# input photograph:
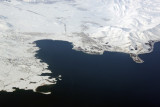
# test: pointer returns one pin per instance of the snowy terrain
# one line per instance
(93, 26)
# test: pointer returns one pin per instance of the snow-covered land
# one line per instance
(93, 26)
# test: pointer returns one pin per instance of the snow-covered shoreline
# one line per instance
(19, 66)
(92, 26)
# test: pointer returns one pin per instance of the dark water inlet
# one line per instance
(112, 79)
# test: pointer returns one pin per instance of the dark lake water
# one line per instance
(111, 79)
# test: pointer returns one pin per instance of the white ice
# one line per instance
(93, 26)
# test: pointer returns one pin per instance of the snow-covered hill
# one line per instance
(93, 26)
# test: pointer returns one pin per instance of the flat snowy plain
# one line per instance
(93, 26)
